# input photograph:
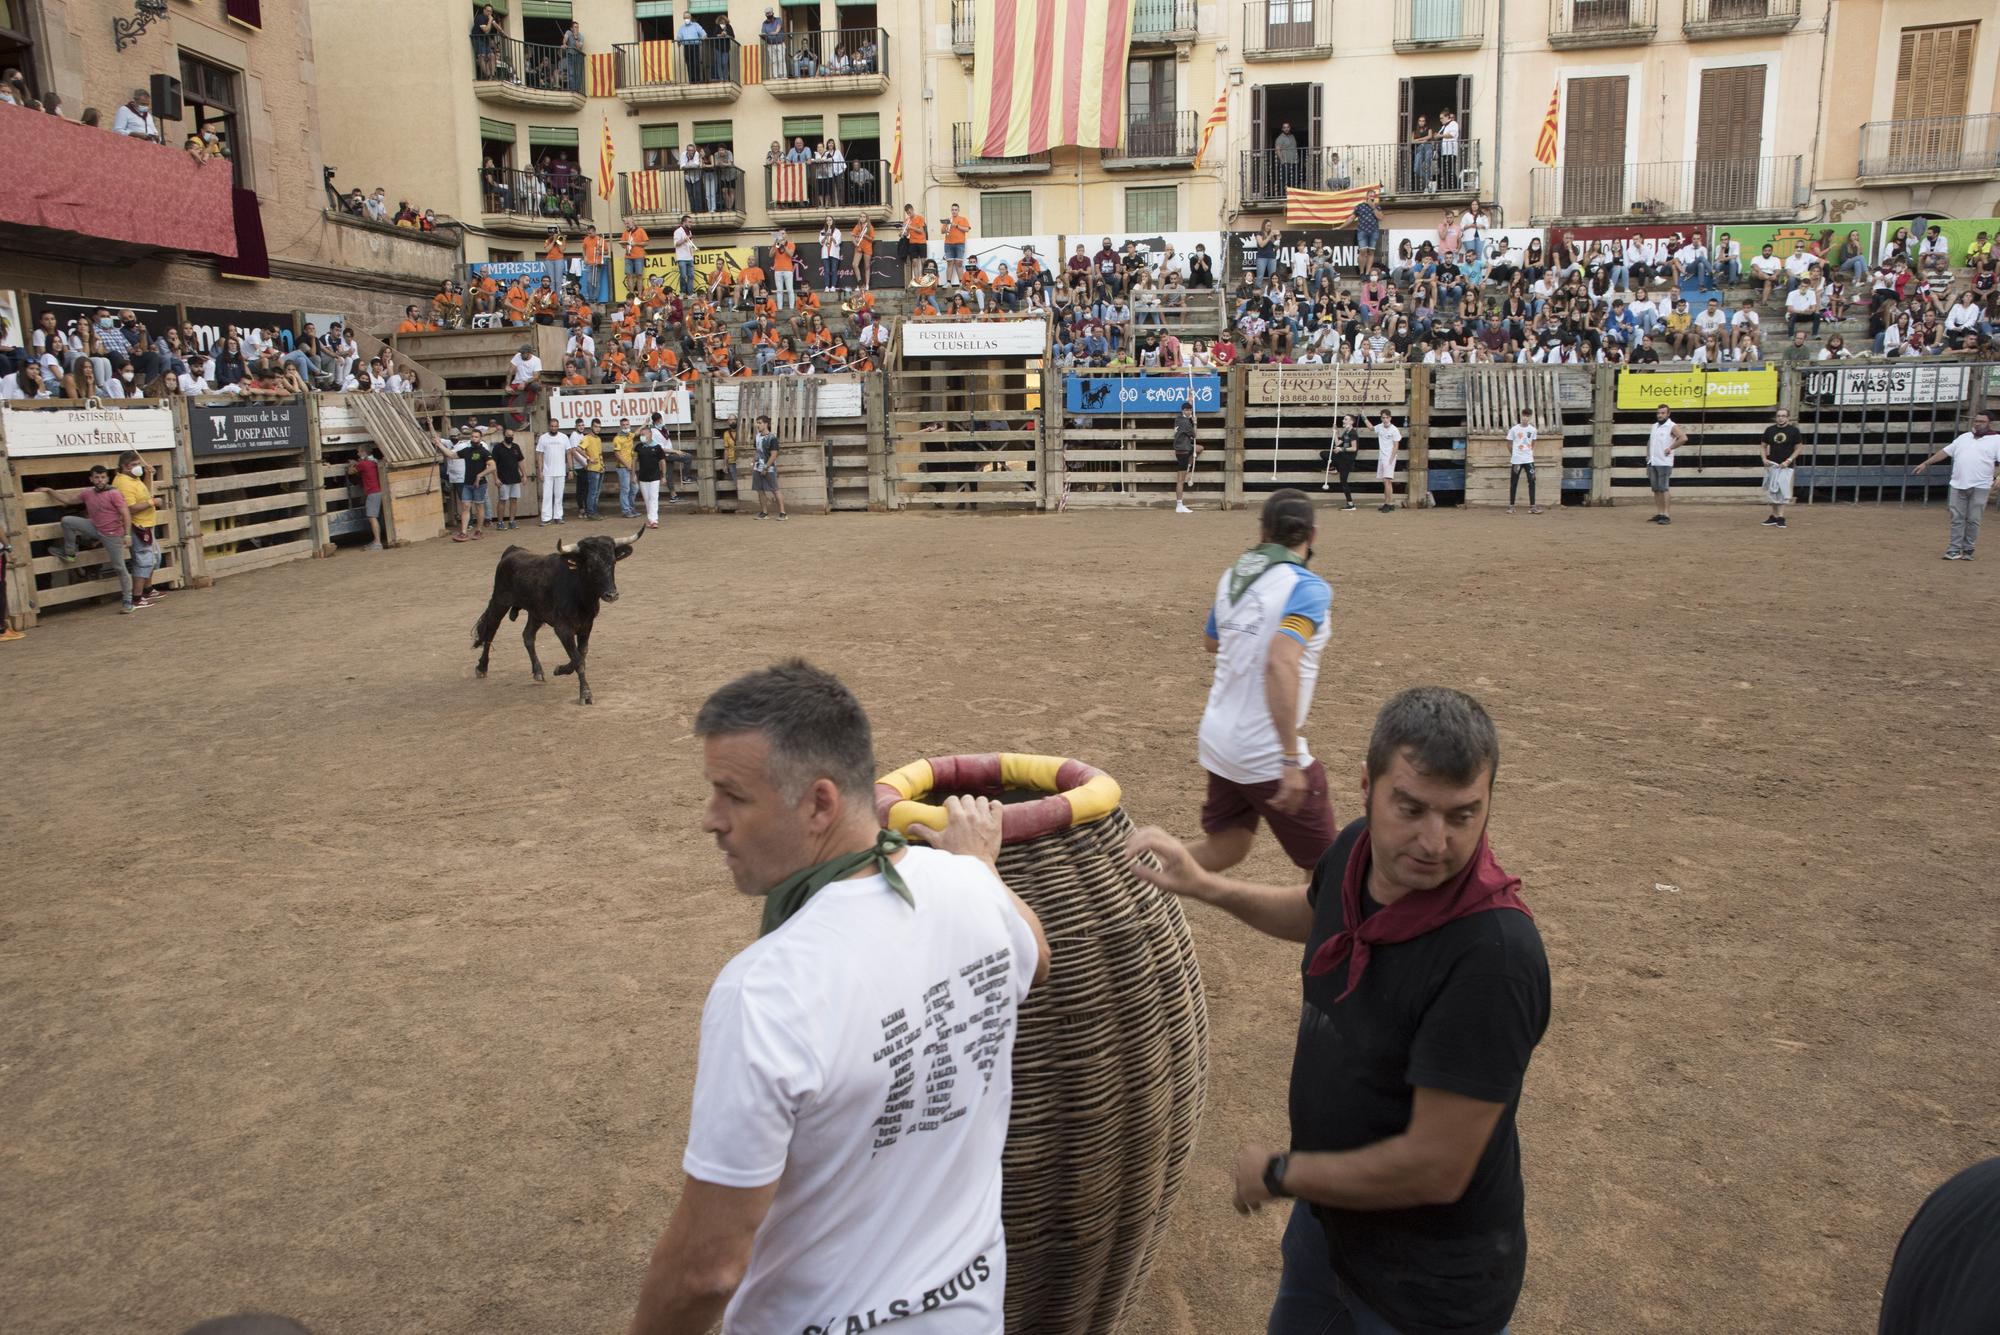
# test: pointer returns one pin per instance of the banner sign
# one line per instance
(837, 398)
(1497, 241)
(1695, 389)
(1242, 253)
(1323, 386)
(673, 404)
(209, 323)
(1959, 233)
(707, 259)
(975, 338)
(1134, 394)
(238, 428)
(1784, 238)
(504, 272)
(1867, 385)
(105, 431)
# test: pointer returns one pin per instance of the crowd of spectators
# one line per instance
(134, 118)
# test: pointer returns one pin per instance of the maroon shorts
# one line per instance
(1304, 835)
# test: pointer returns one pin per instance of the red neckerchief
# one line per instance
(1480, 888)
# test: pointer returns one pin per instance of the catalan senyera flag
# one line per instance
(1049, 72)
(896, 162)
(601, 74)
(642, 192)
(1545, 142)
(1216, 120)
(606, 156)
(656, 62)
(788, 183)
(1325, 208)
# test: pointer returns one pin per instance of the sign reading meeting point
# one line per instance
(1697, 389)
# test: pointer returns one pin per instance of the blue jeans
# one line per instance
(1311, 1299)
(626, 493)
(593, 486)
(687, 276)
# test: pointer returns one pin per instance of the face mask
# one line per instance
(104, 322)
(138, 470)
(126, 376)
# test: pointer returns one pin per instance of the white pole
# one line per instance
(1333, 433)
(1278, 431)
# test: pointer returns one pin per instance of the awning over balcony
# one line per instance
(81, 188)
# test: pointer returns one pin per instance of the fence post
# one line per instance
(702, 408)
(1055, 440)
(1417, 487)
(315, 465)
(20, 563)
(1235, 383)
(875, 428)
(1603, 402)
(187, 504)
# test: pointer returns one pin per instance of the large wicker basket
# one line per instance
(1111, 1061)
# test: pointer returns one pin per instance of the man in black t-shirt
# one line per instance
(1426, 991)
(478, 462)
(507, 472)
(1781, 448)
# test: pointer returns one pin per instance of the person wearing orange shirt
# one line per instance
(411, 323)
(487, 300)
(784, 263)
(517, 303)
(552, 256)
(634, 238)
(957, 229)
(1028, 275)
(749, 281)
(864, 251)
(543, 303)
(925, 306)
(808, 300)
(915, 235)
(593, 260)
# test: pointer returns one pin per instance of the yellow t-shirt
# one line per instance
(627, 452)
(138, 499)
(593, 453)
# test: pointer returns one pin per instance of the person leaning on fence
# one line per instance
(367, 471)
(106, 520)
(1974, 456)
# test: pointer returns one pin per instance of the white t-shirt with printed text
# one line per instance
(861, 1057)
(1238, 739)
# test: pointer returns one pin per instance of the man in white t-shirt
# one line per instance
(1521, 461)
(524, 373)
(1974, 457)
(1448, 133)
(1766, 268)
(855, 1079)
(1713, 320)
(1666, 437)
(552, 450)
(1387, 438)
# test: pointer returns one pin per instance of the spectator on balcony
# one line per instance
(135, 119)
(805, 64)
(486, 35)
(867, 56)
(1285, 152)
(1423, 156)
(572, 47)
(1447, 142)
(722, 175)
(832, 172)
(694, 42)
(771, 38)
(376, 207)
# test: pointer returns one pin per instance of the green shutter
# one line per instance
(659, 136)
(708, 6)
(551, 136)
(808, 128)
(1152, 208)
(861, 127)
(713, 132)
(492, 129)
(655, 9)
(545, 9)
(499, 6)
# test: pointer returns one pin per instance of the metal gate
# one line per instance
(1865, 427)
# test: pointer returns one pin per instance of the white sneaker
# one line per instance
(1180, 509)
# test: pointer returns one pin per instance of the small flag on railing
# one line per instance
(642, 192)
(606, 156)
(1216, 119)
(896, 163)
(601, 74)
(1325, 208)
(788, 183)
(656, 62)
(1545, 142)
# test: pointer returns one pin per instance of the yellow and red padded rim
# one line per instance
(1077, 793)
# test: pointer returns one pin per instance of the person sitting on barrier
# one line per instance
(106, 520)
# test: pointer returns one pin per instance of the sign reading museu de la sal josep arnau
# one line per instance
(108, 432)
(1135, 394)
(241, 428)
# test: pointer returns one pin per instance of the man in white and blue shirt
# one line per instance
(1267, 630)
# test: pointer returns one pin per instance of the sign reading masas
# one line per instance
(106, 431)
(1889, 384)
(1696, 389)
(1317, 386)
(238, 428)
(975, 338)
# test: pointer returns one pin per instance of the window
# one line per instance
(17, 47)
(656, 20)
(1005, 213)
(1933, 69)
(1152, 208)
(212, 99)
(715, 134)
(812, 129)
(504, 256)
(659, 147)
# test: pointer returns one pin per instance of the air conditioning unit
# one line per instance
(1468, 180)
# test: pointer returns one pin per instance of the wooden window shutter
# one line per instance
(1403, 111)
(1464, 106)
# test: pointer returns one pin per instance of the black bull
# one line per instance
(562, 590)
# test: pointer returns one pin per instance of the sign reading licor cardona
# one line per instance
(673, 404)
(106, 431)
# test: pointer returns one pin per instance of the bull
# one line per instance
(562, 591)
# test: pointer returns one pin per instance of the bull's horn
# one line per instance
(565, 548)
(636, 536)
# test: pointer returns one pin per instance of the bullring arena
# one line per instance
(345, 985)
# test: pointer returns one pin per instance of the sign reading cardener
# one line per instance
(240, 428)
(1698, 389)
(106, 431)
(1324, 386)
(975, 338)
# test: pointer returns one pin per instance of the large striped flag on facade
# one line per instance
(606, 157)
(601, 74)
(896, 162)
(1216, 119)
(1049, 72)
(656, 62)
(788, 183)
(1545, 142)
(642, 192)
(1325, 208)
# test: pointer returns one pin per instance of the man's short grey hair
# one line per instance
(815, 727)
(1446, 734)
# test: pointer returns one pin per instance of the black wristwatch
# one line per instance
(1274, 1174)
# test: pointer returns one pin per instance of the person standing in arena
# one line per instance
(1186, 450)
(552, 462)
(507, 479)
(649, 458)
(135, 478)
(1426, 992)
(1667, 436)
(764, 468)
(367, 470)
(106, 520)
(1521, 461)
(1974, 455)
(1387, 438)
(1267, 628)
(1781, 449)
(815, 1200)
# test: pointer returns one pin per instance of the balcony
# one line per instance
(797, 194)
(1154, 141)
(1580, 23)
(966, 159)
(1287, 29)
(528, 203)
(1407, 173)
(663, 74)
(850, 62)
(512, 73)
(1941, 148)
(1742, 190)
(1163, 23)
(1706, 20)
(1440, 25)
(711, 198)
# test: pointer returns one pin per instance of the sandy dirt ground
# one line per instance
(342, 984)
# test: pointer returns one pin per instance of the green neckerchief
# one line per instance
(790, 895)
(1253, 563)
